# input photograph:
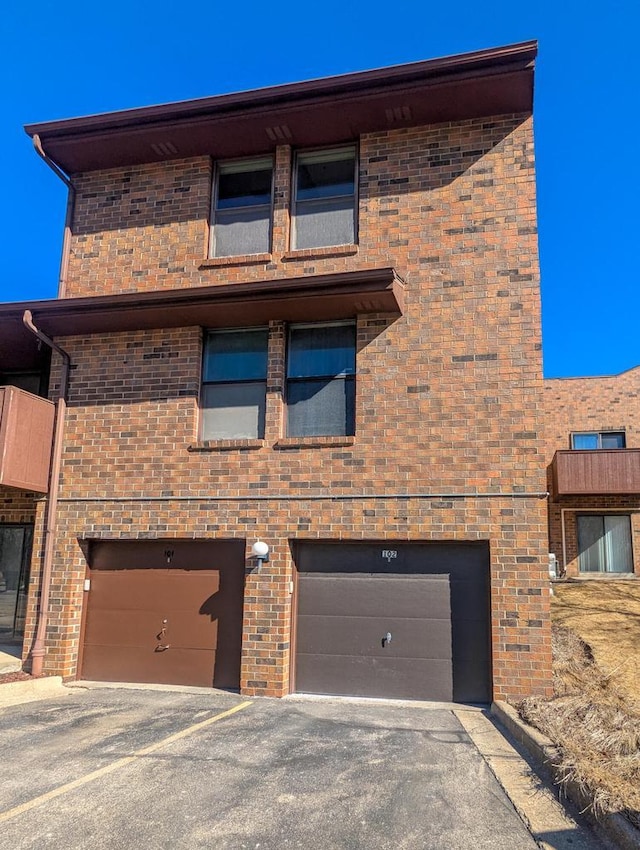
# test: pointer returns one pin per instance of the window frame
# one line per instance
(218, 165)
(207, 333)
(599, 435)
(298, 154)
(603, 515)
(349, 379)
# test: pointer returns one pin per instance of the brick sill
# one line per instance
(225, 445)
(314, 442)
(239, 260)
(319, 253)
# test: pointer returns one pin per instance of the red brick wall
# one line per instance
(17, 505)
(448, 396)
(604, 403)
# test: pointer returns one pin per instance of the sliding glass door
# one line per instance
(15, 557)
(604, 544)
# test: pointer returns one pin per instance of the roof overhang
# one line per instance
(311, 298)
(316, 112)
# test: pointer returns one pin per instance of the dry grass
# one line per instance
(606, 615)
(595, 725)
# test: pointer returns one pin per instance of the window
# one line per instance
(241, 218)
(320, 380)
(604, 544)
(324, 198)
(234, 384)
(598, 440)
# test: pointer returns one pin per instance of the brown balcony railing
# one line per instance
(598, 471)
(26, 432)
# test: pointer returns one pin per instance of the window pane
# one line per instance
(243, 188)
(323, 350)
(320, 408)
(612, 440)
(236, 356)
(325, 174)
(585, 441)
(604, 544)
(591, 544)
(233, 411)
(323, 223)
(242, 231)
(618, 544)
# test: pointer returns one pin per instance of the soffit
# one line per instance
(310, 298)
(316, 112)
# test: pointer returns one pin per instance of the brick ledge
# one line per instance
(225, 445)
(319, 253)
(239, 260)
(313, 442)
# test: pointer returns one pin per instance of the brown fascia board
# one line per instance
(486, 82)
(311, 298)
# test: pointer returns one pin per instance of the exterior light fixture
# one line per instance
(260, 550)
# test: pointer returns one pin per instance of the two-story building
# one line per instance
(299, 386)
(593, 434)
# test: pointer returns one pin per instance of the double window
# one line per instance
(598, 440)
(323, 209)
(319, 392)
(604, 543)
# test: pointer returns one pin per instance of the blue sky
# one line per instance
(59, 60)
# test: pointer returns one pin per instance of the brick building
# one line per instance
(593, 452)
(306, 316)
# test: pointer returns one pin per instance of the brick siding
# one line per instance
(604, 403)
(448, 397)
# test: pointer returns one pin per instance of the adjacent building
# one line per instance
(304, 317)
(593, 428)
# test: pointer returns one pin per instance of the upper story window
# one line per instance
(598, 440)
(324, 198)
(241, 214)
(234, 384)
(321, 380)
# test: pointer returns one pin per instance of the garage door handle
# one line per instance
(386, 640)
(161, 647)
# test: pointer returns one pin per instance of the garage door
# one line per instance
(176, 622)
(393, 620)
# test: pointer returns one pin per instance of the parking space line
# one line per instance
(116, 765)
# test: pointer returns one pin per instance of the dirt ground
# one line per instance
(606, 615)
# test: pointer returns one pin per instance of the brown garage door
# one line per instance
(169, 623)
(394, 620)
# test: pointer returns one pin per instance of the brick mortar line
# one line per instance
(305, 497)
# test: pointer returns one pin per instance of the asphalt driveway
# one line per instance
(156, 769)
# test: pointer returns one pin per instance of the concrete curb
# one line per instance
(15, 693)
(615, 827)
